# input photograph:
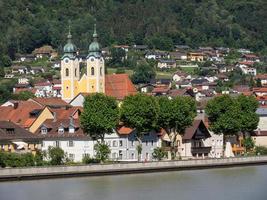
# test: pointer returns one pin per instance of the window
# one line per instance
(71, 129)
(152, 143)
(120, 154)
(146, 143)
(10, 131)
(114, 143)
(132, 156)
(60, 130)
(121, 143)
(132, 143)
(114, 155)
(71, 143)
(57, 144)
(92, 71)
(43, 143)
(75, 72)
(101, 71)
(43, 130)
(67, 72)
(71, 156)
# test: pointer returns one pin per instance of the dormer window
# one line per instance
(71, 129)
(61, 130)
(43, 130)
(10, 130)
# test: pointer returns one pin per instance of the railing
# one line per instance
(200, 149)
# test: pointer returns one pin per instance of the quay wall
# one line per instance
(12, 174)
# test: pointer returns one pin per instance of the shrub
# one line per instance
(158, 154)
(88, 160)
(56, 155)
(102, 151)
(260, 150)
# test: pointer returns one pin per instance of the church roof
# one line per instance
(119, 86)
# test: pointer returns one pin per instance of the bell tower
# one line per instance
(95, 67)
(70, 70)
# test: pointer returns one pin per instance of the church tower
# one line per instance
(95, 67)
(70, 71)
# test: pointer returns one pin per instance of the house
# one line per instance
(45, 51)
(44, 89)
(166, 64)
(9, 76)
(180, 76)
(17, 69)
(260, 134)
(25, 57)
(68, 135)
(250, 58)
(146, 88)
(123, 144)
(194, 142)
(141, 48)
(262, 78)
(178, 55)
(181, 47)
(54, 113)
(180, 92)
(15, 139)
(248, 70)
(160, 90)
(156, 55)
(56, 88)
(37, 70)
(22, 113)
(196, 56)
(260, 91)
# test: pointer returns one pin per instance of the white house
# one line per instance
(68, 135)
(166, 64)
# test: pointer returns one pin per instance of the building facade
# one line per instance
(73, 82)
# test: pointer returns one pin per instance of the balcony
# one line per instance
(200, 150)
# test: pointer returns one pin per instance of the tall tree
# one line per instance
(143, 73)
(140, 112)
(175, 116)
(100, 115)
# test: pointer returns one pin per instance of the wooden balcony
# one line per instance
(200, 150)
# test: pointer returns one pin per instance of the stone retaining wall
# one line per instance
(9, 174)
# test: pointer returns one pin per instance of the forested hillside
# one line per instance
(27, 24)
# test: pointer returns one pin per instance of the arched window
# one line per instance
(75, 72)
(100, 71)
(67, 72)
(92, 71)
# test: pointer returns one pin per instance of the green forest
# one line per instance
(27, 24)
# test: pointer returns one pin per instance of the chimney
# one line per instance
(16, 105)
(55, 116)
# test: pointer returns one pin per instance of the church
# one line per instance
(94, 79)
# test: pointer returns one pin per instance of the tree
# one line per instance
(118, 55)
(100, 115)
(56, 155)
(5, 61)
(140, 112)
(175, 115)
(143, 73)
(158, 153)
(2, 72)
(102, 151)
(231, 116)
(24, 96)
(258, 83)
(248, 143)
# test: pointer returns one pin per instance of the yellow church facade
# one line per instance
(93, 80)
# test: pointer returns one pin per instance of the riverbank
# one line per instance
(13, 174)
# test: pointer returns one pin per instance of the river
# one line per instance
(244, 183)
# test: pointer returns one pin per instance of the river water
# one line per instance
(244, 183)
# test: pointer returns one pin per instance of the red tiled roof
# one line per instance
(261, 76)
(32, 90)
(246, 63)
(161, 89)
(53, 102)
(263, 89)
(21, 114)
(63, 113)
(123, 130)
(119, 86)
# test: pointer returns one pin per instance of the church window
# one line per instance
(75, 72)
(100, 71)
(67, 72)
(92, 59)
(66, 60)
(92, 71)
